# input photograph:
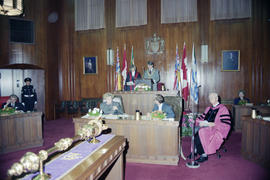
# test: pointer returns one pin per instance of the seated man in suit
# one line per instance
(108, 106)
(160, 105)
(214, 126)
(12, 102)
(153, 74)
(131, 77)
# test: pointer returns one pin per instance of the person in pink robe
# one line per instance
(214, 126)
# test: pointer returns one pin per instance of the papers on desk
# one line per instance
(130, 83)
(168, 119)
(86, 116)
(119, 116)
(206, 123)
(266, 118)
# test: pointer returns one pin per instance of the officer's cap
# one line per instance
(27, 79)
(150, 63)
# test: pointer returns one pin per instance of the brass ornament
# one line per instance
(32, 162)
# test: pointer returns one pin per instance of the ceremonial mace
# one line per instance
(32, 162)
(193, 163)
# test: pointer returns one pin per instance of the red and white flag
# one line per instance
(185, 89)
(124, 66)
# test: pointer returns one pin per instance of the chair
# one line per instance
(222, 147)
(119, 100)
(73, 107)
(59, 108)
(159, 86)
(89, 103)
(177, 105)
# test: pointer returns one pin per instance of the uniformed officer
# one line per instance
(29, 95)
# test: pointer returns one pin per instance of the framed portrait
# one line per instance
(230, 60)
(90, 65)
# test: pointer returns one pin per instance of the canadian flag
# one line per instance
(185, 90)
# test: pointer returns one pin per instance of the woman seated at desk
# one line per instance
(160, 105)
(241, 100)
(108, 106)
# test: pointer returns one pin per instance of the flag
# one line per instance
(177, 85)
(132, 63)
(118, 83)
(124, 66)
(194, 91)
(185, 91)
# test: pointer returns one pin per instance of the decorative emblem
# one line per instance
(72, 156)
(154, 45)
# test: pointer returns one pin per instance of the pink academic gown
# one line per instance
(212, 137)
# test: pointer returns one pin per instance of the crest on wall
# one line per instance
(154, 45)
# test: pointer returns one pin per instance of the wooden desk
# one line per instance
(154, 142)
(20, 131)
(144, 101)
(239, 111)
(255, 140)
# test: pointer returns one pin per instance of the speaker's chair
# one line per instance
(177, 105)
(119, 100)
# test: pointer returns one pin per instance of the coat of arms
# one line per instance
(154, 45)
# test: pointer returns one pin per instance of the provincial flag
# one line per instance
(177, 84)
(132, 63)
(194, 90)
(124, 66)
(118, 84)
(185, 90)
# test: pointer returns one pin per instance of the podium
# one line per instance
(148, 82)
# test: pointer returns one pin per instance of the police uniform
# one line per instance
(29, 96)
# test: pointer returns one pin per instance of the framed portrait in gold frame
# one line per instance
(230, 60)
(90, 65)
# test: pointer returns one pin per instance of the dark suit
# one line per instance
(166, 109)
(132, 78)
(108, 108)
(17, 106)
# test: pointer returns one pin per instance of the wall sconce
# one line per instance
(110, 57)
(204, 53)
(11, 7)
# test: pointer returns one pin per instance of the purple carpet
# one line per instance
(230, 166)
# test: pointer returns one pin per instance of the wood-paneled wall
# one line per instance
(60, 50)
(247, 35)
(42, 54)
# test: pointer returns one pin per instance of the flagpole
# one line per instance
(193, 88)
(193, 164)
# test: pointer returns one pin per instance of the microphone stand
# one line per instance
(193, 163)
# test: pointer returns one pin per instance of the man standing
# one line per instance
(152, 74)
(214, 126)
(29, 96)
